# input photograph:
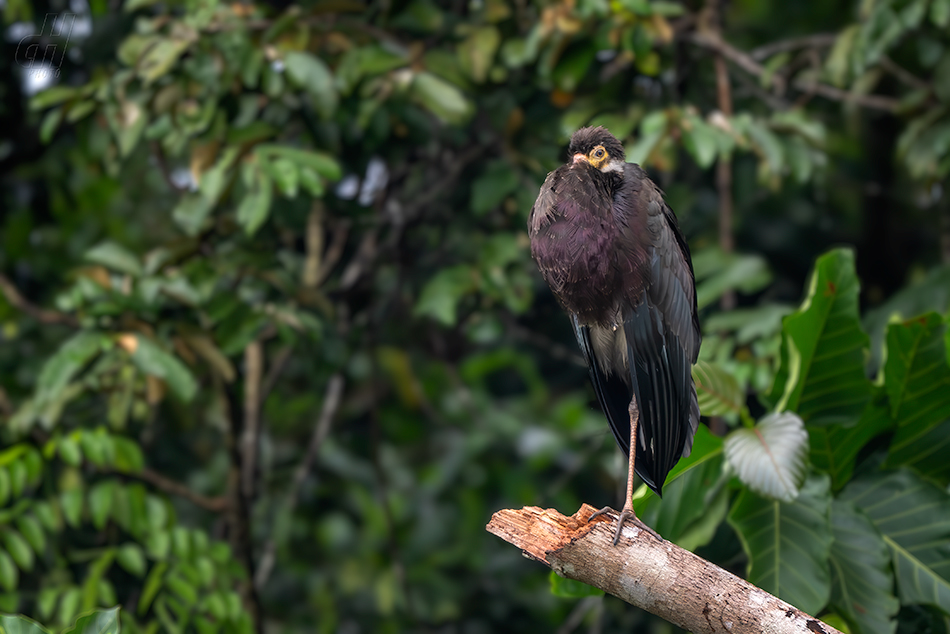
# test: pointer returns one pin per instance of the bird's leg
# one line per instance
(628, 511)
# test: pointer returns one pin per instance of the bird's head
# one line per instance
(598, 148)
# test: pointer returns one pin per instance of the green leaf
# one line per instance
(914, 518)
(51, 121)
(441, 98)
(440, 296)
(151, 359)
(31, 529)
(570, 588)
(98, 622)
(717, 391)
(18, 548)
(788, 543)
(770, 458)
(834, 447)
(114, 256)
(718, 272)
(52, 96)
(160, 58)
(477, 52)
(324, 164)
(821, 373)
(4, 485)
(917, 381)
(9, 575)
(861, 579)
(191, 212)
(706, 447)
(940, 13)
(930, 293)
(497, 182)
(71, 502)
(153, 583)
(101, 495)
(18, 624)
(128, 455)
(132, 558)
(285, 174)
(685, 500)
(60, 368)
(69, 451)
(255, 206)
(312, 74)
(69, 605)
(700, 140)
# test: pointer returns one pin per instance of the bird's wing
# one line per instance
(661, 330)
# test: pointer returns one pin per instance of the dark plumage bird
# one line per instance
(611, 250)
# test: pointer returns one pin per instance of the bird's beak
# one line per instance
(580, 157)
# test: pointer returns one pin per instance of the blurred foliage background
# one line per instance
(273, 347)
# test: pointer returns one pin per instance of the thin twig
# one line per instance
(331, 403)
(314, 242)
(872, 102)
(16, 299)
(253, 370)
(277, 366)
(903, 74)
(172, 487)
(817, 40)
(239, 507)
(334, 251)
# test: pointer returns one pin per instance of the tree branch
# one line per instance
(253, 371)
(657, 576)
(16, 299)
(713, 42)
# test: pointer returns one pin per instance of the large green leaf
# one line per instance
(931, 293)
(312, 74)
(788, 543)
(717, 391)
(98, 622)
(862, 588)
(16, 624)
(151, 359)
(914, 518)
(835, 447)
(917, 381)
(60, 368)
(822, 375)
(685, 499)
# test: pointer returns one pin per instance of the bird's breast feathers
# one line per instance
(581, 250)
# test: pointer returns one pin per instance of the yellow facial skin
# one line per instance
(598, 157)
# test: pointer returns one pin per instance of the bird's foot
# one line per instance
(625, 514)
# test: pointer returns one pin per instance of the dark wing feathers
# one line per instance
(661, 329)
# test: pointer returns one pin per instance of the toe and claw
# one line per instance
(626, 514)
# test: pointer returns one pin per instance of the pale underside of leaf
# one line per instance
(770, 458)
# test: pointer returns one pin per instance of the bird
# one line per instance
(612, 253)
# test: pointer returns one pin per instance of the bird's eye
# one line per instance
(599, 153)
